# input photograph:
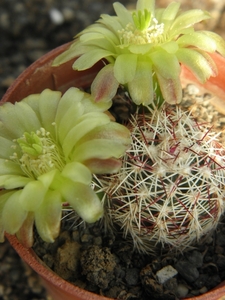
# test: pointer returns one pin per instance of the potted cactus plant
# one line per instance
(159, 177)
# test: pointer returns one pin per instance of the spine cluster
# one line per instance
(170, 189)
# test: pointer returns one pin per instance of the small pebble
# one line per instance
(187, 270)
(56, 16)
(221, 262)
(203, 290)
(220, 239)
(132, 276)
(192, 89)
(86, 238)
(1, 290)
(195, 258)
(68, 14)
(166, 273)
(181, 291)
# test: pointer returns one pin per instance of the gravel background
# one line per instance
(29, 29)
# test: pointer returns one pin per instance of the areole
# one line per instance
(41, 75)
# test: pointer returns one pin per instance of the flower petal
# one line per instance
(77, 172)
(47, 178)
(4, 195)
(68, 121)
(90, 105)
(200, 63)
(103, 166)
(13, 181)
(101, 148)
(94, 31)
(25, 233)
(88, 59)
(83, 200)
(32, 195)
(73, 51)
(123, 14)
(146, 4)
(6, 148)
(170, 47)
(112, 23)
(166, 64)
(187, 19)
(100, 42)
(13, 214)
(69, 110)
(22, 118)
(220, 43)
(113, 131)
(171, 88)
(170, 12)
(125, 68)
(141, 87)
(167, 15)
(48, 105)
(32, 101)
(87, 123)
(199, 40)
(72, 96)
(140, 49)
(167, 69)
(5, 133)
(105, 85)
(8, 167)
(48, 216)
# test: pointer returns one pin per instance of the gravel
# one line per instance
(28, 30)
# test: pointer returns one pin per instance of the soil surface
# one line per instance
(29, 29)
(106, 265)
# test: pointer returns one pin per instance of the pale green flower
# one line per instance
(144, 47)
(49, 147)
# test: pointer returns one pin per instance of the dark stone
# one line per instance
(220, 262)
(187, 270)
(132, 276)
(195, 258)
(201, 281)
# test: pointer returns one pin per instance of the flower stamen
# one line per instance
(145, 31)
(38, 153)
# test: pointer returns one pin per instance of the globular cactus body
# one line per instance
(170, 189)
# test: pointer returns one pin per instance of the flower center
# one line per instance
(146, 30)
(37, 153)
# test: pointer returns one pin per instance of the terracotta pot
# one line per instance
(41, 75)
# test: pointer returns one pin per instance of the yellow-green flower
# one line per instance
(49, 147)
(144, 47)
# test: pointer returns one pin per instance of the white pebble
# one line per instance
(166, 273)
(192, 89)
(56, 16)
